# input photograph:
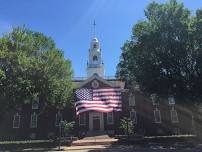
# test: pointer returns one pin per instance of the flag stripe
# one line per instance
(98, 105)
(98, 110)
(107, 90)
(99, 102)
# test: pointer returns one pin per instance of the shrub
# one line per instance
(68, 127)
(126, 124)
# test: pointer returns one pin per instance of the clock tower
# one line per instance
(95, 64)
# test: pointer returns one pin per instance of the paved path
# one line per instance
(132, 149)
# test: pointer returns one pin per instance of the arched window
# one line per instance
(94, 46)
(94, 58)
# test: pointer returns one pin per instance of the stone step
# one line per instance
(95, 141)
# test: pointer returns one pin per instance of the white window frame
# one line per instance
(112, 118)
(84, 118)
(154, 98)
(56, 118)
(34, 120)
(35, 104)
(135, 114)
(174, 118)
(171, 100)
(155, 116)
(131, 100)
(14, 119)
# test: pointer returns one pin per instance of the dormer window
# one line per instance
(95, 58)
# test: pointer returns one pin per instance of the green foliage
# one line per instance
(126, 124)
(30, 66)
(164, 54)
(68, 127)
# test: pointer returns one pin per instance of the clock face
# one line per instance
(95, 84)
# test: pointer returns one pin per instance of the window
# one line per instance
(131, 100)
(16, 121)
(133, 116)
(171, 100)
(33, 122)
(58, 118)
(157, 116)
(174, 117)
(94, 46)
(35, 104)
(82, 119)
(155, 99)
(110, 118)
(95, 58)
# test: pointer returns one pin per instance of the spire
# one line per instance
(94, 24)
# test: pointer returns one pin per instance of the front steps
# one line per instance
(95, 138)
(97, 134)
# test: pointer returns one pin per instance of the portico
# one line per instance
(96, 121)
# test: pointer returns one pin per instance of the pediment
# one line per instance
(95, 80)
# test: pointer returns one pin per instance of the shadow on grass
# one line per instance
(34, 145)
(148, 144)
(159, 144)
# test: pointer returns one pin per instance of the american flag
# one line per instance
(100, 100)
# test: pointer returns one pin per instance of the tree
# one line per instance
(164, 54)
(32, 68)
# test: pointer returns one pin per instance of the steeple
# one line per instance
(94, 28)
(95, 65)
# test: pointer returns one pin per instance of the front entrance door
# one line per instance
(96, 123)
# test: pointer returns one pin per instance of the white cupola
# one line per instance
(95, 65)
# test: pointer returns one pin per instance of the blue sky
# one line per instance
(69, 23)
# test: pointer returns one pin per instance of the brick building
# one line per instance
(150, 114)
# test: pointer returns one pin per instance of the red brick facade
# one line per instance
(143, 108)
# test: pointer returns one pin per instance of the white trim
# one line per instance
(135, 114)
(14, 119)
(174, 118)
(33, 121)
(97, 78)
(155, 116)
(83, 115)
(112, 118)
(131, 100)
